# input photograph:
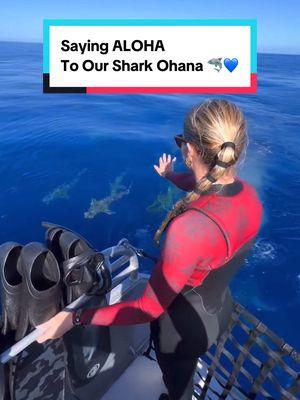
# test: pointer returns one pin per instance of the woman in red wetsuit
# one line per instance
(208, 235)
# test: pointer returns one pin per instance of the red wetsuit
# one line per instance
(194, 245)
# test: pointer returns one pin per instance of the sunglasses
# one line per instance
(179, 139)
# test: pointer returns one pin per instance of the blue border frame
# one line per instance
(150, 22)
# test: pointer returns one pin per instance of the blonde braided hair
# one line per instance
(217, 130)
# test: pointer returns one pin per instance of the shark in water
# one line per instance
(216, 62)
(164, 201)
(62, 191)
(117, 191)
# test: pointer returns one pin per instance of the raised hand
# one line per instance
(166, 164)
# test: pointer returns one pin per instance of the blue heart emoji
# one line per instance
(231, 64)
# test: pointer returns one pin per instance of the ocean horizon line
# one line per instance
(41, 43)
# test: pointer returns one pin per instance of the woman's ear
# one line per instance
(191, 149)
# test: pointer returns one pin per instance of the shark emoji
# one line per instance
(216, 62)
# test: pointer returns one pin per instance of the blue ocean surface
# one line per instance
(59, 151)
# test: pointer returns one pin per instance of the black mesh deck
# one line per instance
(248, 361)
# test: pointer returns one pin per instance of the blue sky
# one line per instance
(278, 30)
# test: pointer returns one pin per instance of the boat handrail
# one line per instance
(125, 253)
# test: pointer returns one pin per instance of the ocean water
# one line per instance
(59, 151)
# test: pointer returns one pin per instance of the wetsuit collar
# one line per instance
(230, 189)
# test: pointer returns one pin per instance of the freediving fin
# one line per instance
(6, 378)
(86, 347)
(10, 285)
(39, 372)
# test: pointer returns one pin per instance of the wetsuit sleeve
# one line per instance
(183, 180)
(184, 249)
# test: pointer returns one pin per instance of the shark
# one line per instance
(216, 62)
(117, 191)
(97, 207)
(62, 191)
(164, 201)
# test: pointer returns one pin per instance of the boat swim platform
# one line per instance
(143, 380)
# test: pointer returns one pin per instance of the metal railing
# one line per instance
(124, 253)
